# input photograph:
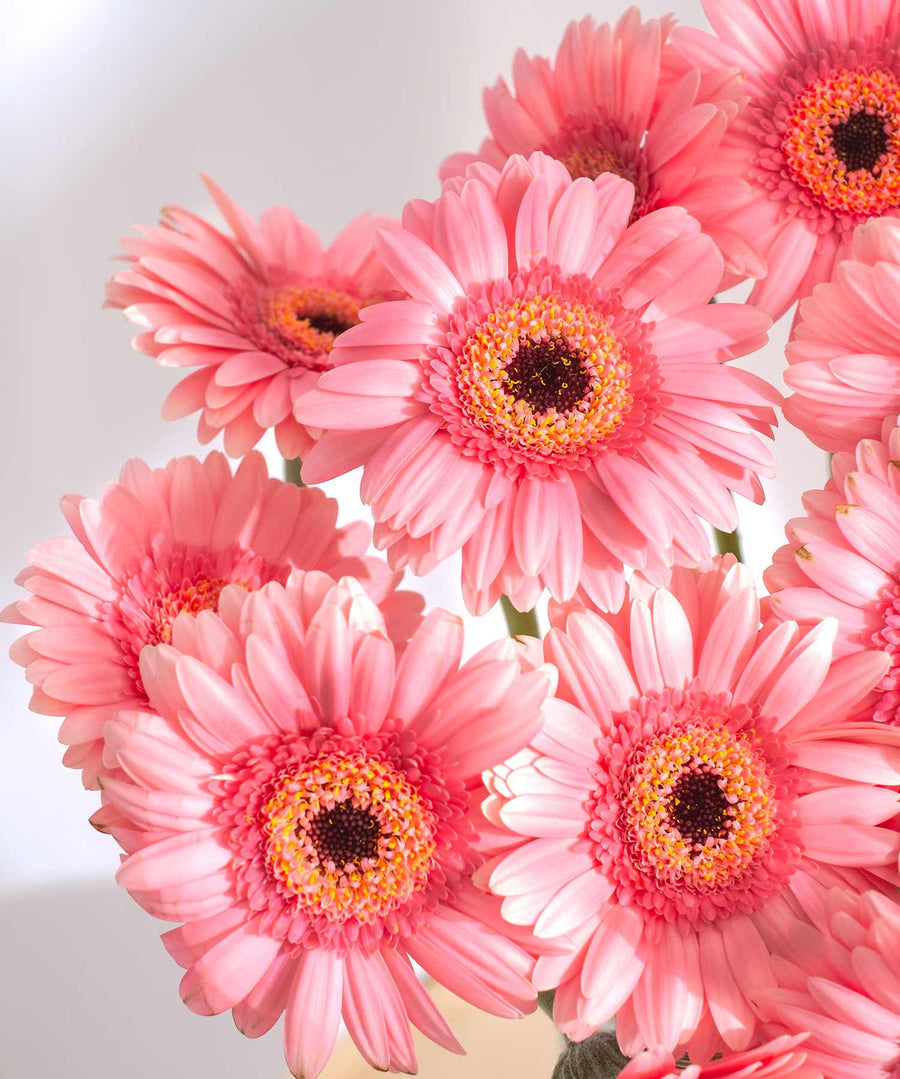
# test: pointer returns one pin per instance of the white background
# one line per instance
(111, 110)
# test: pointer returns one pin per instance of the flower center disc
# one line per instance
(697, 805)
(300, 322)
(842, 141)
(348, 836)
(199, 595)
(344, 834)
(591, 145)
(691, 815)
(545, 375)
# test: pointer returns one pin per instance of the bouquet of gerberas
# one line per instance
(679, 809)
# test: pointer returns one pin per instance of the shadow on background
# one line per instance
(87, 990)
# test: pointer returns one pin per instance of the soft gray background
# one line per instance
(111, 110)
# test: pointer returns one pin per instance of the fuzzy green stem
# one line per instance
(292, 466)
(729, 543)
(519, 623)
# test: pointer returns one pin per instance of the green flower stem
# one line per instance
(519, 624)
(292, 471)
(729, 543)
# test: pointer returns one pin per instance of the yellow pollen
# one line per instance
(309, 317)
(362, 807)
(588, 374)
(842, 142)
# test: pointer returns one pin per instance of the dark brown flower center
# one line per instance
(698, 807)
(344, 834)
(860, 141)
(547, 374)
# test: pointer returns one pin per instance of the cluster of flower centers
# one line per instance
(300, 322)
(347, 835)
(842, 141)
(201, 594)
(545, 375)
(697, 805)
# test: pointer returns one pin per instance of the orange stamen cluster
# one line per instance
(192, 597)
(348, 836)
(842, 141)
(307, 318)
(580, 348)
(698, 805)
(592, 160)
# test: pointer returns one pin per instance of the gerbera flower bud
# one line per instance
(844, 356)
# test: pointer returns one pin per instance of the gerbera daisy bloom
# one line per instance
(850, 1000)
(819, 141)
(257, 313)
(301, 802)
(779, 1059)
(844, 355)
(159, 542)
(843, 559)
(695, 786)
(619, 99)
(554, 398)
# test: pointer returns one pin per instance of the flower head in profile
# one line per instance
(621, 100)
(782, 1058)
(850, 1001)
(257, 313)
(301, 801)
(843, 559)
(819, 141)
(157, 543)
(844, 354)
(696, 785)
(555, 396)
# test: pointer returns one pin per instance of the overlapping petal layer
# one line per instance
(842, 986)
(620, 100)
(844, 357)
(777, 1059)
(159, 542)
(842, 560)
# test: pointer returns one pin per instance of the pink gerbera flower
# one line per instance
(554, 398)
(843, 559)
(820, 139)
(844, 355)
(849, 997)
(159, 542)
(301, 803)
(695, 787)
(619, 99)
(779, 1059)
(257, 313)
